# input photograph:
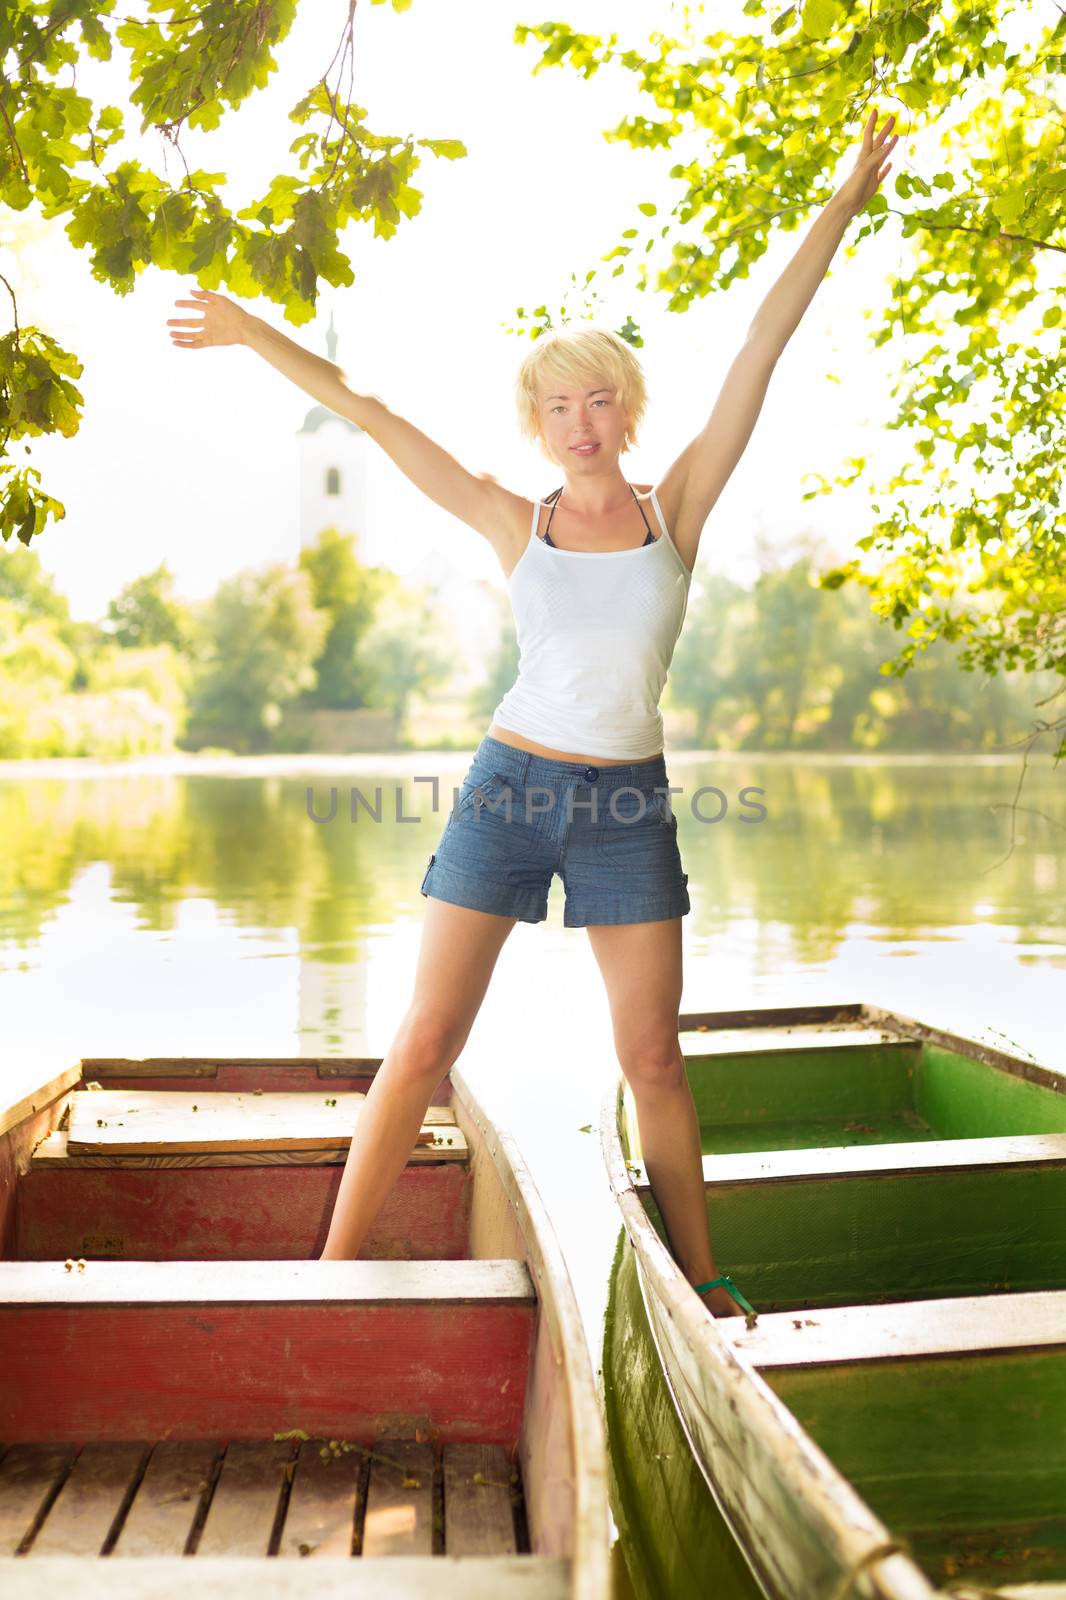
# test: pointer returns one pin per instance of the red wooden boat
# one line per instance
(181, 1377)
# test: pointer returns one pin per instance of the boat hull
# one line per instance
(174, 1385)
(828, 1429)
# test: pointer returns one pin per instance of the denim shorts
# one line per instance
(609, 832)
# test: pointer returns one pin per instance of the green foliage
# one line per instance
(330, 633)
(787, 665)
(260, 636)
(977, 304)
(405, 650)
(159, 670)
(348, 593)
(40, 716)
(30, 589)
(147, 612)
(188, 63)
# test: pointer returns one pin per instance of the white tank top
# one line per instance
(596, 635)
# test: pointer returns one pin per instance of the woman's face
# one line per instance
(583, 425)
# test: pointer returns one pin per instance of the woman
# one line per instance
(570, 777)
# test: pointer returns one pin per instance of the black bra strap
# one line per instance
(553, 498)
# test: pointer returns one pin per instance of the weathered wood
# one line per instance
(29, 1116)
(168, 1498)
(562, 1456)
(962, 1325)
(276, 1208)
(785, 1039)
(771, 1016)
(44, 1285)
(194, 1350)
(91, 1501)
(246, 1501)
(54, 1151)
(30, 1474)
(399, 1500)
(1017, 1066)
(27, 1095)
(167, 1122)
(239, 1072)
(478, 1514)
(209, 1066)
(326, 1500)
(336, 1367)
(803, 1528)
(223, 1578)
(890, 1160)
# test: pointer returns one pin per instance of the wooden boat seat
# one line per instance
(140, 1173)
(888, 1160)
(187, 1350)
(110, 1125)
(903, 1331)
(785, 1039)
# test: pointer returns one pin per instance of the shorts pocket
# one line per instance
(480, 788)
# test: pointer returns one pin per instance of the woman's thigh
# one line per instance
(456, 959)
(641, 965)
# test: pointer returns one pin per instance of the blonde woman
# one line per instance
(570, 777)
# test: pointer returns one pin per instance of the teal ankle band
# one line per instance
(726, 1280)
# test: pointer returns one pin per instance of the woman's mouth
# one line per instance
(584, 449)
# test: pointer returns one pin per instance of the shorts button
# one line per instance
(592, 773)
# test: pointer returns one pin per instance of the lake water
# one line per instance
(191, 906)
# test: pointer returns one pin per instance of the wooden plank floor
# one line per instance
(282, 1497)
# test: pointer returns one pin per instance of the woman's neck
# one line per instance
(596, 497)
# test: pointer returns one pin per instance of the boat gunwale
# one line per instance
(555, 1293)
(846, 1521)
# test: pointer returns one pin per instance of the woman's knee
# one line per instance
(429, 1042)
(653, 1068)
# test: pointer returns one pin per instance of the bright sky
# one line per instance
(190, 456)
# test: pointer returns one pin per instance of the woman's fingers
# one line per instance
(219, 320)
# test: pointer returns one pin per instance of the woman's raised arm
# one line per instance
(478, 501)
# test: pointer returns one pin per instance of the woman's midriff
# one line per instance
(518, 742)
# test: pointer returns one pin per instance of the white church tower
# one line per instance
(332, 471)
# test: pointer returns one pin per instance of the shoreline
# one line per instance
(187, 763)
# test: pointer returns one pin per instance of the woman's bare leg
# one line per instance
(456, 959)
(641, 967)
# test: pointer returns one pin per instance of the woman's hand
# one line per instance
(221, 321)
(864, 180)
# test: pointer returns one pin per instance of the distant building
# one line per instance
(332, 471)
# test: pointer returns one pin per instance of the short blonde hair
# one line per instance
(575, 356)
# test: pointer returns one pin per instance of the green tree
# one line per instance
(706, 668)
(348, 593)
(146, 612)
(159, 670)
(761, 115)
(30, 589)
(404, 650)
(260, 637)
(188, 64)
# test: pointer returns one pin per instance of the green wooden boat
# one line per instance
(892, 1199)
